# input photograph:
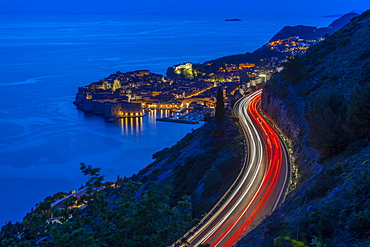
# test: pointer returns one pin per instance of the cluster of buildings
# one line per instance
(292, 46)
(130, 94)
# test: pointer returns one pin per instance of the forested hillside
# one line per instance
(321, 102)
(202, 165)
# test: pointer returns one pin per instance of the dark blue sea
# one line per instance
(44, 59)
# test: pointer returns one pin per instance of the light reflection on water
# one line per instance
(131, 126)
(134, 126)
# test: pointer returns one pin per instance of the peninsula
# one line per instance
(192, 87)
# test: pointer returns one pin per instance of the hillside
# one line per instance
(304, 32)
(321, 103)
(202, 165)
(311, 32)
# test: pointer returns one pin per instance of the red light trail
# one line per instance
(260, 186)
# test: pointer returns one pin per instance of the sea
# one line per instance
(44, 59)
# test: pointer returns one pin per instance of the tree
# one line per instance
(212, 181)
(326, 118)
(120, 181)
(95, 178)
(293, 70)
(148, 220)
(358, 115)
(220, 107)
(288, 242)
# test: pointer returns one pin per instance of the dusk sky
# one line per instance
(189, 7)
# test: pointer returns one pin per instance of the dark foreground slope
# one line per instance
(321, 102)
(202, 165)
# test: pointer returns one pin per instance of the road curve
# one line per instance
(259, 188)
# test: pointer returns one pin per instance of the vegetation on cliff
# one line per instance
(331, 78)
(202, 165)
(321, 102)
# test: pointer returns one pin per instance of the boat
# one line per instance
(177, 120)
(234, 19)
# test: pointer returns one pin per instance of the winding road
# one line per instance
(259, 188)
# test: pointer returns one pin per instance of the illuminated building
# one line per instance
(123, 109)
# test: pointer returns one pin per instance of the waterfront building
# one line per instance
(123, 109)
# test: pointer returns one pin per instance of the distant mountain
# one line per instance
(304, 32)
(339, 23)
(311, 32)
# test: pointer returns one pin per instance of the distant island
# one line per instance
(233, 19)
